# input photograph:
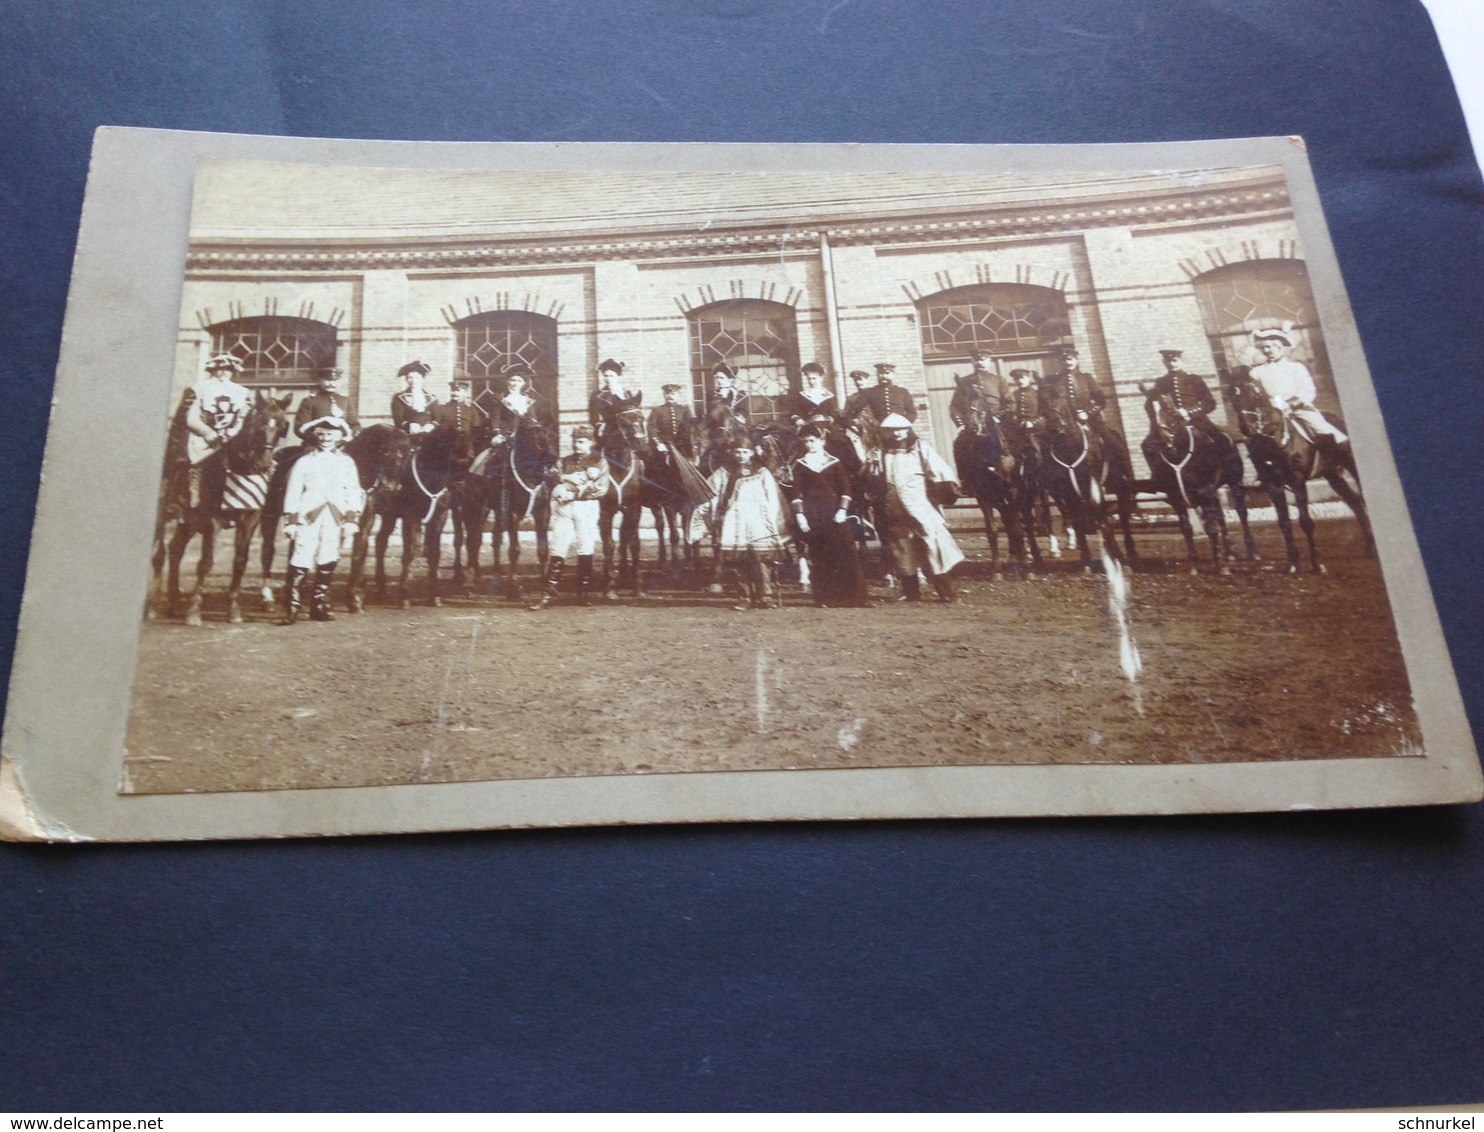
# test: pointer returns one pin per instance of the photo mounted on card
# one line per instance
(484, 486)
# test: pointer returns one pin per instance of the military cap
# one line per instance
(670, 387)
(1171, 354)
(218, 362)
(1065, 351)
(414, 367)
(886, 367)
(460, 379)
(608, 365)
(1022, 373)
(583, 432)
(859, 375)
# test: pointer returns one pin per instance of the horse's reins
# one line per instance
(1179, 469)
(432, 497)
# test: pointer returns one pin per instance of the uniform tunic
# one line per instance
(580, 484)
(881, 401)
(324, 491)
(1186, 394)
(674, 425)
(318, 405)
(818, 494)
(913, 527)
(215, 414)
(1289, 385)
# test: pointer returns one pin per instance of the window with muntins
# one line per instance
(493, 343)
(997, 318)
(757, 338)
(277, 351)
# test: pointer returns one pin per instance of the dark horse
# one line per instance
(383, 456)
(232, 484)
(673, 489)
(1286, 457)
(1082, 476)
(1001, 470)
(510, 487)
(1189, 468)
(624, 443)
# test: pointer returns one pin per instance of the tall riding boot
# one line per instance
(911, 588)
(291, 579)
(944, 585)
(584, 578)
(319, 600)
(553, 586)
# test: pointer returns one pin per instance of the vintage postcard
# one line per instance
(487, 486)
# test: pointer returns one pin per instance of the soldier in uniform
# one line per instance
(1070, 391)
(578, 483)
(326, 401)
(322, 503)
(672, 425)
(1021, 416)
(813, 401)
(1187, 396)
(611, 402)
(460, 414)
(883, 399)
(412, 409)
(1289, 385)
(975, 408)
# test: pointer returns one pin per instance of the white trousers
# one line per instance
(317, 543)
(574, 522)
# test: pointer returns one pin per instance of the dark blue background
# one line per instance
(1315, 960)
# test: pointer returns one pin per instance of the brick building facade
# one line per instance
(471, 272)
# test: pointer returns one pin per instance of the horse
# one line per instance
(673, 489)
(232, 484)
(383, 456)
(625, 440)
(511, 486)
(1189, 468)
(1286, 457)
(1001, 477)
(1081, 475)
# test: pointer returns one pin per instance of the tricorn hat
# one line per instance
(722, 367)
(608, 365)
(895, 420)
(414, 367)
(813, 367)
(223, 361)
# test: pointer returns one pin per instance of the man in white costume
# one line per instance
(579, 482)
(1289, 385)
(912, 526)
(322, 502)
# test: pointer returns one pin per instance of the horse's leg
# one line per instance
(433, 552)
(630, 548)
(606, 511)
(203, 568)
(1279, 495)
(355, 595)
(1306, 521)
(247, 526)
(986, 508)
(179, 538)
(1356, 502)
(389, 520)
(1215, 528)
(268, 531)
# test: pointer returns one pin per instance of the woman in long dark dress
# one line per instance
(821, 501)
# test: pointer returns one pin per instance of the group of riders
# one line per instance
(756, 476)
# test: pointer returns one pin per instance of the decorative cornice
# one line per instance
(1251, 200)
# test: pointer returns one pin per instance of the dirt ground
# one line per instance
(1257, 666)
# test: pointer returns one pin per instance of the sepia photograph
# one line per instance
(510, 485)
(481, 475)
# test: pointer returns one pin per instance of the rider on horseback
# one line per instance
(672, 425)
(412, 409)
(211, 413)
(813, 398)
(1289, 385)
(1186, 396)
(506, 416)
(1071, 395)
(326, 401)
(612, 403)
(976, 407)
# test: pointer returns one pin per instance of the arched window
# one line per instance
(1016, 324)
(492, 343)
(1240, 298)
(757, 338)
(277, 351)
